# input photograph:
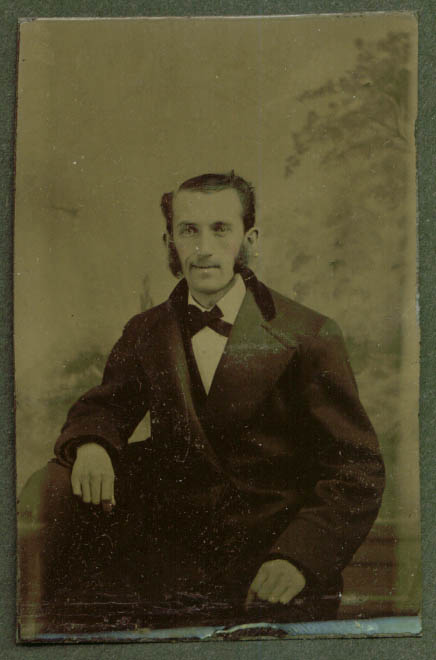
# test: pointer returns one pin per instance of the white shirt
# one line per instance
(208, 345)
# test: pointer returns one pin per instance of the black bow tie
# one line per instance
(197, 320)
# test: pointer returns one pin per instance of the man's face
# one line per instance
(208, 233)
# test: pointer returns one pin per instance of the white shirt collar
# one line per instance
(230, 303)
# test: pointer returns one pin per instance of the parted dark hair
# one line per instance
(212, 183)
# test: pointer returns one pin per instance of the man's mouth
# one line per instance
(203, 267)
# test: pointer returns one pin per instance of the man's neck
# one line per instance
(208, 300)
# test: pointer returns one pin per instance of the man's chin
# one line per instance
(205, 276)
(206, 287)
(208, 283)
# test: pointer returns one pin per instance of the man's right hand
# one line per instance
(93, 476)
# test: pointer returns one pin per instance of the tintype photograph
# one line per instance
(216, 338)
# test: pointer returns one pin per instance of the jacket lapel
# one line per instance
(168, 371)
(254, 358)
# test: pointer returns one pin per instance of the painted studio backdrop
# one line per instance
(318, 113)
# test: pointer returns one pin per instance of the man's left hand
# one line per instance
(276, 581)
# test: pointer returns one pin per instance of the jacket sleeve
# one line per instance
(109, 413)
(343, 503)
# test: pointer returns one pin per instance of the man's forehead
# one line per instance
(212, 205)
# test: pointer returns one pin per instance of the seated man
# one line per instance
(262, 475)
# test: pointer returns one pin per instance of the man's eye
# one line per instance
(187, 230)
(221, 229)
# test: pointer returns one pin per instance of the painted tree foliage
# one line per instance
(361, 113)
(68, 381)
(349, 245)
(85, 369)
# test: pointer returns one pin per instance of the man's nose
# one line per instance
(204, 244)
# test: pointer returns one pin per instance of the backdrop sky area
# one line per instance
(114, 113)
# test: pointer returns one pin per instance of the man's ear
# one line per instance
(252, 236)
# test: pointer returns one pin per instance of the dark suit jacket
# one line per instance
(281, 447)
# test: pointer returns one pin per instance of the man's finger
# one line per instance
(251, 597)
(259, 580)
(268, 588)
(86, 491)
(288, 595)
(280, 589)
(107, 489)
(75, 484)
(106, 505)
(96, 489)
